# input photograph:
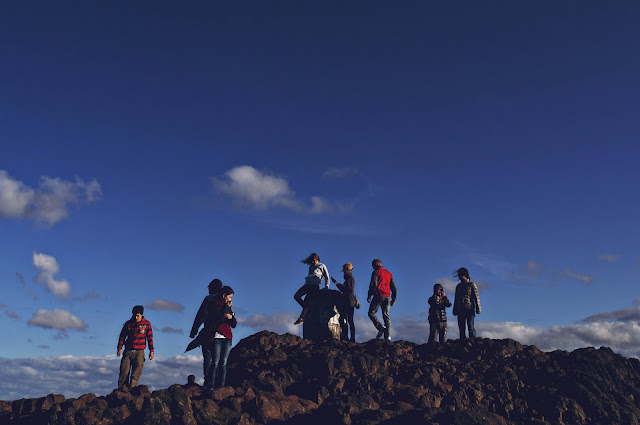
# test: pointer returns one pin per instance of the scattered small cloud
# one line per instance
(88, 296)
(48, 267)
(280, 322)
(20, 277)
(49, 202)
(61, 320)
(11, 315)
(250, 188)
(166, 305)
(339, 173)
(44, 347)
(170, 330)
(609, 258)
(586, 279)
(622, 315)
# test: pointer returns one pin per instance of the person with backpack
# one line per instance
(466, 304)
(311, 287)
(382, 294)
(201, 317)
(438, 303)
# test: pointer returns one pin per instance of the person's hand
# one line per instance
(229, 303)
(369, 300)
(443, 294)
(119, 352)
(393, 303)
(228, 316)
(192, 335)
(150, 355)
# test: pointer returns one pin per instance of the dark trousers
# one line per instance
(437, 329)
(346, 322)
(469, 321)
(310, 290)
(207, 355)
(221, 349)
(132, 361)
(385, 303)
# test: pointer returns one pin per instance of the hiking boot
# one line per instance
(381, 332)
(299, 321)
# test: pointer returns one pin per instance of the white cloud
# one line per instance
(280, 322)
(77, 375)
(48, 266)
(170, 330)
(49, 203)
(165, 305)
(57, 319)
(623, 315)
(249, 187)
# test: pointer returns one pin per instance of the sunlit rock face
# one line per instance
(285, 379)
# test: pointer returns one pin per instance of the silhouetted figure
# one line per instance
(317, 272)
(135, 334)
(349, 303)
(466, 304)
(382, 293)
(438, 303)
(220, 320)
(207, 349)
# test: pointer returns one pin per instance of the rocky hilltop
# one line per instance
(284, 379)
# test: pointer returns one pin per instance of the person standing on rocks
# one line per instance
(220, 319)
(311, 287)
(382, 293)
(207, 349)
(438, 303)
(350, 301)
(466, 304)
(135, 334)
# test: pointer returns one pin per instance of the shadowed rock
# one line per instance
(321, 322)
(284, 379)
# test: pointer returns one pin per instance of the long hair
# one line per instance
(309, 260)
(461, 272)
(226, 290)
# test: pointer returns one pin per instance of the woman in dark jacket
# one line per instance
(221, 319)
(346, 312)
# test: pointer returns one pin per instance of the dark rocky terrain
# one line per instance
(283, 379)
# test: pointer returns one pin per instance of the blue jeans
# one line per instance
(207, 354)
(385, 303)
(469, 320)
(221, 349)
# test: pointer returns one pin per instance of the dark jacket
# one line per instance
(437, 311)
(216, 311)
(467, 301)
(348, 289)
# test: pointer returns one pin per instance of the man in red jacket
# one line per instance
(382, 293)
(134, 336)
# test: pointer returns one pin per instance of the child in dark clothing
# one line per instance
(438, 302)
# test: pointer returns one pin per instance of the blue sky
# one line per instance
(148, 147)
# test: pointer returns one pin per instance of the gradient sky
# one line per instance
(149, 147)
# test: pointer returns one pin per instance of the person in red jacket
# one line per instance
(135, 334)
(382, 293)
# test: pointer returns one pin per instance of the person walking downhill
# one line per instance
(311, 287)
(222, 319)
(350, 301)
(466, 304)
(135, 334)
(207, 349)
(382, 293)
(438, 303)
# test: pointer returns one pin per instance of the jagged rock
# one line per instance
(284, 379)
(322, 321)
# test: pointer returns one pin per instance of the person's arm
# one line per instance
(327, 279)
(201, 316)
(477, 297)
(394, 291)
(232, 322)
(446, 301)
(350, 284)
(150, 341)
(121, 338)
(455, 302)
(373, 286)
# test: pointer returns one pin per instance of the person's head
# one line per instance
(137, 312)
(226, 293)
(214, 286)
(437, 289)
(376, 263)
(346, 268)
(462, 274)
(312, 259)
